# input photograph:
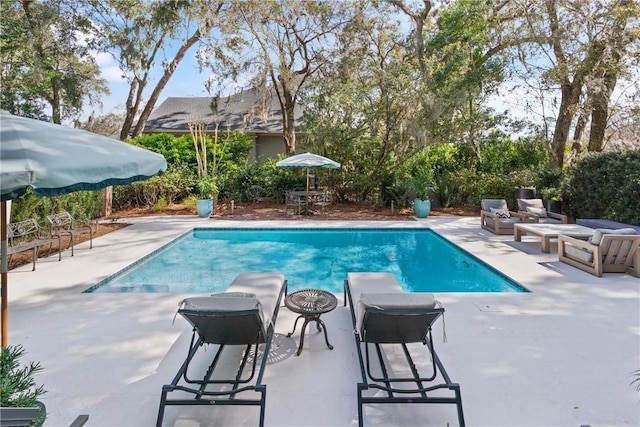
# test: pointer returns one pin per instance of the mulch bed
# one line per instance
(260, 211)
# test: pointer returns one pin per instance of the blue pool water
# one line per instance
(207, 260)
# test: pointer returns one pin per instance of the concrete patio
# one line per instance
(562, 355)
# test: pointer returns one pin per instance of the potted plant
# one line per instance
(207, 190)
(205, 185)
(524, 193)
(552, 199)
(421, 185)
(19, 397)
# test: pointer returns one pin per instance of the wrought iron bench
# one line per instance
(28, 234)
(63, 224)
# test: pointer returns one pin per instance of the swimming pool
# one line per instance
(207, 259)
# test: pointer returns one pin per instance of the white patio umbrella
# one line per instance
(55, 160)
(307, 160)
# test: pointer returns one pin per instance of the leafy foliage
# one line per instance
(44, 62)
(173, 186)
(80, 204)
(605, 185)
(17, 384)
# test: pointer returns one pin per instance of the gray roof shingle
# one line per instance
(239, 111)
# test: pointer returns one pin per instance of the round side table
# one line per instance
(310, 304)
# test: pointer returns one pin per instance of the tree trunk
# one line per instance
(576, 145)
(107, 201)
(599, 117)
(563, 124)
(600, 111)
(289, 130)
(168, 72)
(128, 120)
(56, 109)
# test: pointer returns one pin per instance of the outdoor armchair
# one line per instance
(496, 217)
(607, 251)
(535, 211)
(296, 202)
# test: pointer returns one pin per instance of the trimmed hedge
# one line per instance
(605, 185)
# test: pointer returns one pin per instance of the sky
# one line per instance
(186, 81)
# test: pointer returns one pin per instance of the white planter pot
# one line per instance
(204, 207)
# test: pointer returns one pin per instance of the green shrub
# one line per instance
(160, 205)
(400, 194)
(16, 382)
(605, 185)
(81, 205)
(174, 185)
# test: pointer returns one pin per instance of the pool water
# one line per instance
(207, 260)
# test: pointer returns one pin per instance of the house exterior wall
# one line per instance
(268, 147)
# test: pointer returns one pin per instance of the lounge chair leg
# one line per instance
(163, 399)
(361, 387)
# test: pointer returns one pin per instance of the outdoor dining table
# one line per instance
(308, 196)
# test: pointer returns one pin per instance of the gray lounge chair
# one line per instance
(382, 314)
(492, 220)
(244, 315)
(535, 211)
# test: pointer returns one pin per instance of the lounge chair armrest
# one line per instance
(561, 217)
(581, 242)
(518, 215)
(529, 217)
(489, 214)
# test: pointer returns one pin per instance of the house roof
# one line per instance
(240, 111)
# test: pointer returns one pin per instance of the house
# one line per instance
(239, 112)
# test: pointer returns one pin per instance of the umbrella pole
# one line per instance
(3, 270)
(307, 179)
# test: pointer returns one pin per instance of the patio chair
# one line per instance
(382, 314)
(256, 194)
(296, 202)
(606, 251)
(534, 211)
(496, 217)
(63, 224)
(245, 315)
(323, 201)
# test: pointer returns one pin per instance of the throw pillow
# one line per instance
(541, 212)
(600, 232)
(501, 213)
